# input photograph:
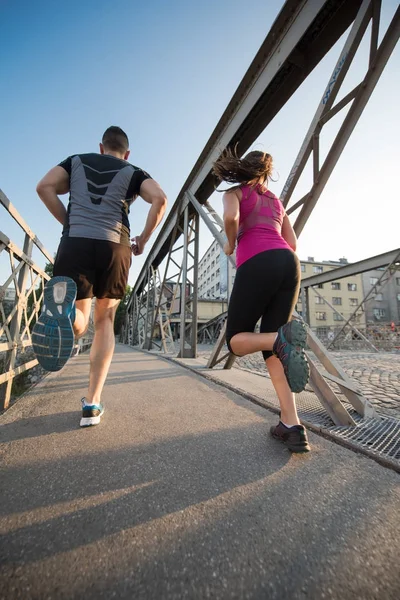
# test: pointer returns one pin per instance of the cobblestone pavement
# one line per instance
(378, 375)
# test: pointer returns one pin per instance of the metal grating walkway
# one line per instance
(380, 436)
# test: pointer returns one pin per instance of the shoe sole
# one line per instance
(52, 335)
(298, 333)
(298, 370)
(90, 421)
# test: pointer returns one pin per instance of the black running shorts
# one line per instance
(99, 268)
(266, 287)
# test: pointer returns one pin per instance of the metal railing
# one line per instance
(21, 296)
(20, 307)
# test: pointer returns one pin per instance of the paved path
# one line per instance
(181, 493)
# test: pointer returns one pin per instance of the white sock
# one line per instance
(288, 426)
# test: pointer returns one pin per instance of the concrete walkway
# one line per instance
(181, 493)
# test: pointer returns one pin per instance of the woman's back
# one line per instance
(260, 224)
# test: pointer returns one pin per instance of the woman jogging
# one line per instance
(266, 285)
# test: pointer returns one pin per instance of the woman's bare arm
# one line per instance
(231, 219)
(288, 233)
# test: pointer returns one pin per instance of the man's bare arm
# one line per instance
(152, 193)
(55, 182)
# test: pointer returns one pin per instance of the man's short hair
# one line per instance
(114, 138)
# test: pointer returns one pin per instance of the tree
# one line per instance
(121, 311)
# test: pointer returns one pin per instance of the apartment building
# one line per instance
(383, 304)
(331, 303)
(216, 274)
(216, 277)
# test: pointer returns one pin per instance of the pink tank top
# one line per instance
(260, 224)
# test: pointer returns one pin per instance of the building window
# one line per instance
(217, 272)
(319, 300)
(320, 316)
(217, 259)
(212, 290)
(213, 264)
(303, 268)
(208, 269)
(208, 280)
(379, 297)
(217, 285)
(398, 297)
(299, 299)
(337, 301)
(212, 276)
(379, 313)
(353, 301)
(322, 332)
(320, 286)
(397, 280)
(318, 269)
(352, 287)
(337, 317)
(335, 285)
(373, 280)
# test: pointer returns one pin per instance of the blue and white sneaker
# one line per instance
(52, 335)
(91, 413)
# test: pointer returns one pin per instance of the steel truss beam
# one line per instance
(356, 331)
(302, 34)
(209, 332)
(189, 297)
(256, 102)
(158, 301)
(387, 275)
(362, 266)
(358, 98)
(369, 9)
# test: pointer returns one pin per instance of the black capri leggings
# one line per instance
(266, 286)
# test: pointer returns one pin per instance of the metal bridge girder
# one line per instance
(287, 56)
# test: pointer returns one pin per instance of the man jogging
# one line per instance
(94, 255)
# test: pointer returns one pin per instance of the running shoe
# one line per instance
(52, 335)
(91, 413)
(295, 438)
(289, 348)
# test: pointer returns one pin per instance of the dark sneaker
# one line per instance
(295, 438)
(91, 413)
(289, 348)
(52, 335)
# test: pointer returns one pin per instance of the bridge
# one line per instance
(181, 493)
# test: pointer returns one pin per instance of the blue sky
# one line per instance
(164, 72)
